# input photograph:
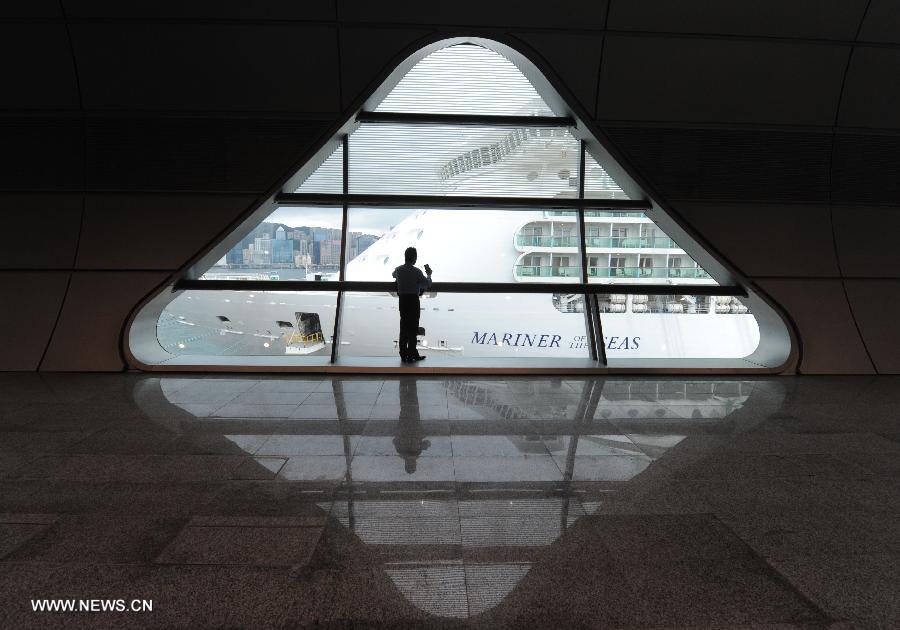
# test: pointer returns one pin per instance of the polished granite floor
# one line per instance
(445, 502)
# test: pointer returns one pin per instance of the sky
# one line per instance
(367, 220)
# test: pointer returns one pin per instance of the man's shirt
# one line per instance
(411, 280)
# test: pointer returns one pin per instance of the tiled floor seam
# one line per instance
(778, 576)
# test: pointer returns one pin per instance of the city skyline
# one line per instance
(275, 244)
(367, 221)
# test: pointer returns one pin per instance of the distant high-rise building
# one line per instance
(282, 250)
(326, 234)
(330, 252)
(279, 234)
(262, 251)
(235, 255)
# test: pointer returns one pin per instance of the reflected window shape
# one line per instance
(465, 79)
(426, 534)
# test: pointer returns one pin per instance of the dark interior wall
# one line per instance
(135, 133)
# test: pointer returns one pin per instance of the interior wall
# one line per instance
(136, 133)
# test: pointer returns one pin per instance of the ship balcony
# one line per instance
(544, 272)
(682, 273)
(525, 272)
(596, 242)
(542, 242)
(641, 242)
(588, 214)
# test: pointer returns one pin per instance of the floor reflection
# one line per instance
(458, 485)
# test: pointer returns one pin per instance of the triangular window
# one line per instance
(475, 161)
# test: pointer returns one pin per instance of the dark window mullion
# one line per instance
(342, 269)
(452, 201)
(480, 120)
(460, 287)
(589, 314)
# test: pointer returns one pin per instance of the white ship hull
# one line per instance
(460, 246)
(465, 325)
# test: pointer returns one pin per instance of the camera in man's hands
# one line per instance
(427, 269)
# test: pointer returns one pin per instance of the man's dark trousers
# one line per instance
(409, 326)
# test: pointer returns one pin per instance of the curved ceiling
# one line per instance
(219, 100)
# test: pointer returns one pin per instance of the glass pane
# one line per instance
(597, 182)
(465, 79)
(467, 245)
(464, 325)
(291, 244)
(463, 160)
(248, 323)
(676, 327)
(628, 247)
(328, 177)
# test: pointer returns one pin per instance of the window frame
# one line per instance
(778, 351)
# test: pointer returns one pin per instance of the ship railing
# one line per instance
(545, 271)
(597, 213)
(648, 272)
(611, 242)
(547, 241)
(646, 242)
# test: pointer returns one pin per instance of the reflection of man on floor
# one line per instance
(411, 283)
(408, 441)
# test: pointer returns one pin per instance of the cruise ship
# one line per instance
(475, 245)
(488, 246)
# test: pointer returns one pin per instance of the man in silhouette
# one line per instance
(411, 283)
